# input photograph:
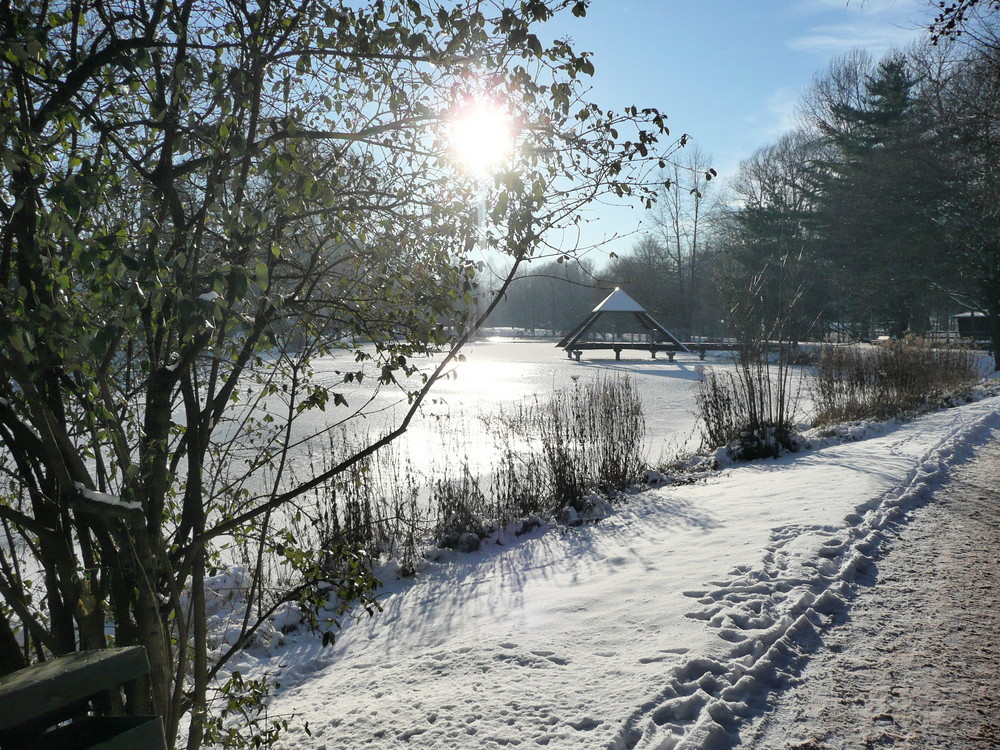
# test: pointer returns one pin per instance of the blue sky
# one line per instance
(727, 72)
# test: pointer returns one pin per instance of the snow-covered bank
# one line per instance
(662, 626)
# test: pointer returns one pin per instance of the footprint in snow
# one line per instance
(550, 655)
(732, 636)
(704, 614)
(532, 659)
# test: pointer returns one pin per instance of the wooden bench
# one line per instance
(69, 703)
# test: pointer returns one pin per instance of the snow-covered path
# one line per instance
(917, 662)
(665, 625)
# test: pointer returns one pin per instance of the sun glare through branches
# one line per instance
(481, 135)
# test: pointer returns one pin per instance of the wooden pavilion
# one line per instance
(618, 305)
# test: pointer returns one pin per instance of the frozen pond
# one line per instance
(496, 373)
(500, 372)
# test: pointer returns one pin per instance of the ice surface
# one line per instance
(501, 372)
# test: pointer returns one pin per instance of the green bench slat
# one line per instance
(41, 689)
(104, 733)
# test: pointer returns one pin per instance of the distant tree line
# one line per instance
(670, 270)
(549, 296)
(878, 213)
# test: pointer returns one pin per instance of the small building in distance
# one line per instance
(973, 325)
(619, 323)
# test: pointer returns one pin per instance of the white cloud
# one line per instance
(876, 25)
(899, 8)
(774, 117)
(837, 38)
(779, 114)
(762, 125)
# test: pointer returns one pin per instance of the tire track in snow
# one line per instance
(773, 614)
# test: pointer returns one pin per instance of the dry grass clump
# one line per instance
(856, 382)
(751, 410)
(551, 454)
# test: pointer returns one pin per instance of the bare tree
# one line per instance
(835, 90)
(763, 238)
(680, 221)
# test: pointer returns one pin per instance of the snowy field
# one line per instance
(665, 625)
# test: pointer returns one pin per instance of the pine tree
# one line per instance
(878, 191)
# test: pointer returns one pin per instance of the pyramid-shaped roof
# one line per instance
(619, 301)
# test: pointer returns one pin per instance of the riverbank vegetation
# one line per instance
(754, 409)
(562, 457)
(853, 383)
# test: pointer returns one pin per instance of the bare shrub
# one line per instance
(719, 412)
(374, 506)
(592, 436)
(550, 454)
(750, 410)
(618, 432)
(518, 485)
(461, 511)
(552, 451)
(854, 382)
(563, 438)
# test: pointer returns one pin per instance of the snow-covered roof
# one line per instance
(619, 301)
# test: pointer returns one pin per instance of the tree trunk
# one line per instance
(11, 656)
(993, 317)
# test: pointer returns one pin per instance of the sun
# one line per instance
(481, 136)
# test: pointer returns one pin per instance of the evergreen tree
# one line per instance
(879, 190)
(970, 143)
